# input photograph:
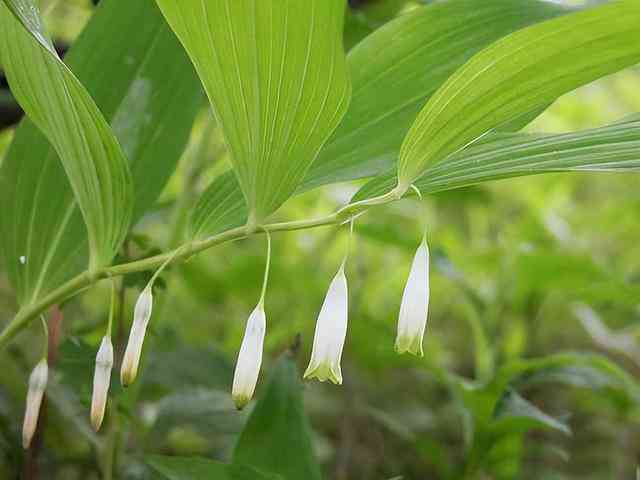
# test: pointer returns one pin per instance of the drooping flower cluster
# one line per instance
(328, 342)
(331, 328)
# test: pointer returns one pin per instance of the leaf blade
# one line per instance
(61, 107)
(530, 67)
(280, 99)
(278, 426)
(606, 149)
(192, 468)
(142, 84)
(396, 69)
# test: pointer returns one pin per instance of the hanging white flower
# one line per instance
(141, 316)
(101, 381)
(249, 358)
(37, 385)
(331, 330)
(415, 304)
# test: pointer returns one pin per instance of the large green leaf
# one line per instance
(525, 69)
(140, 77)
(277, 437)
(276, 76)
(399, 66)
(613, 148)
(194, 468)
(394, 70)
(56, 101)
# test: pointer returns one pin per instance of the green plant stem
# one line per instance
(182, 253)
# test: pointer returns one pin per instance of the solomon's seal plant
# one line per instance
(296, 112)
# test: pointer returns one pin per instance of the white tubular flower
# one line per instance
(37, 386)
(249, 358)
(101, 381)
(331, 330)
(141, 316)
(415, 304)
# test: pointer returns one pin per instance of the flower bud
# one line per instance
(141, 316)
(415, 304)
(37, 386)
(331, 330)
(249, 358)
(101, 381)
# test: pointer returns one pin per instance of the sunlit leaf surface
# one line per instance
(276, 76)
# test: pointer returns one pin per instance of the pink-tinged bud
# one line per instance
(249, 358)
(37, 386)
(141, 316)
(331, 331)
(101, 381)
(415, 304)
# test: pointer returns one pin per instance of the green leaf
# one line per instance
(277, 437)
(576, 369)
(194, 468)
(220, 207)
(525, 69)
(276, 76)
(515, 414)
(145, 85)
(613, 148)
(391, 81)
(55, 100)
(396, 69)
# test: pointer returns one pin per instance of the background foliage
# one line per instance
(532, 347)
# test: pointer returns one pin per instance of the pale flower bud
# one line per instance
(37, 386)
(249, 358)
(141, 316)
(331, 330)
(101, 381)
(415, 304)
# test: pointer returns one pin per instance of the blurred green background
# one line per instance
(534, 268)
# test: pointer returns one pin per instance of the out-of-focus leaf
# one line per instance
(276, 76)
(56, 101)
(210, 413)
(523, 70)
(194, 468)
(578, 369)
(515, 414)
(277, 437)
(140, 77)
(184, 368)
(399, 66)
(603, 336)
(613, 148)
